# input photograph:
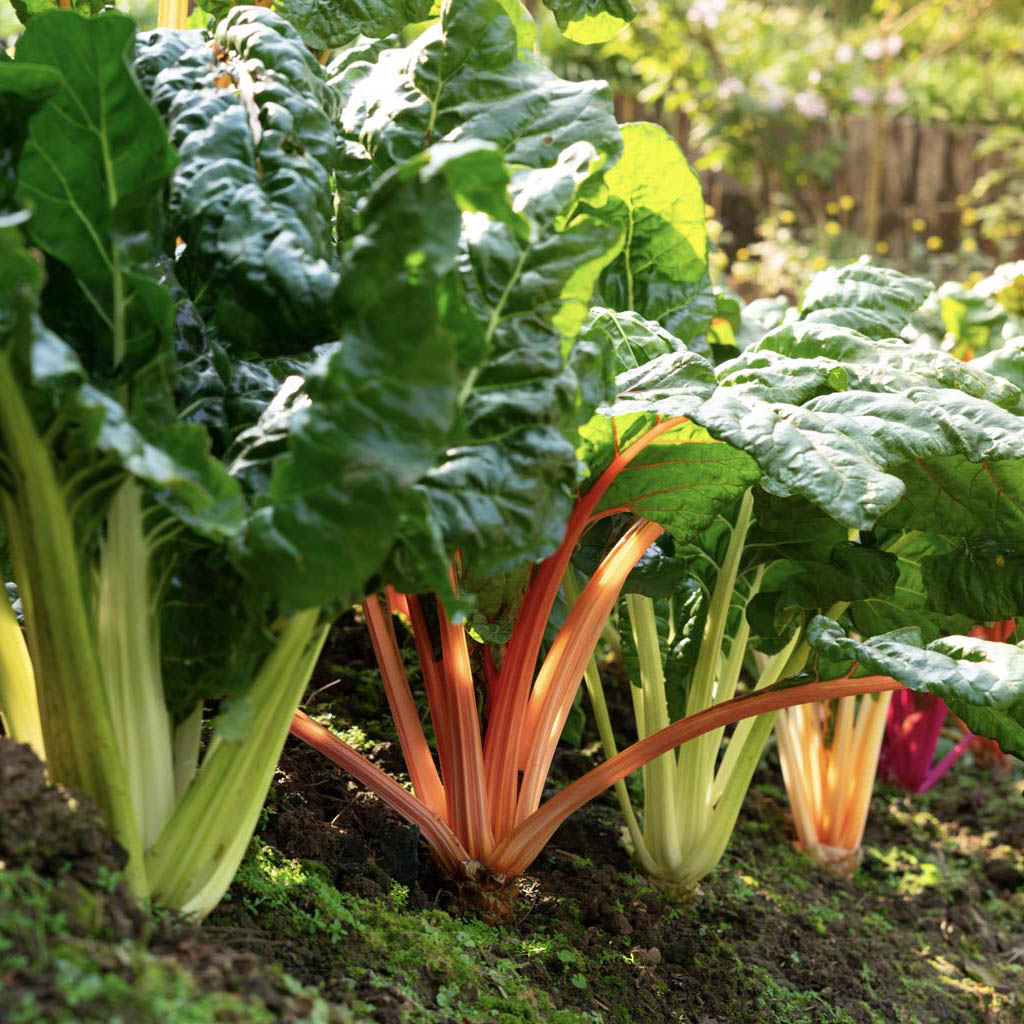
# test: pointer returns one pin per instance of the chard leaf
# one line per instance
(655, 197)
(591, 21)
(467, 78)
(911, 602)
(875, 301)
(250, 199)
(97, 215)
(854, 453)
(683, 480)
(327, 24)
(23, 89)
(849, 572)
(877, 365)
(982, 682)
(504, 491)
(347, 441)
(982, 580)
(633, 339)
(1006, 361)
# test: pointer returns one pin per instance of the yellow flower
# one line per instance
(832, 208)
(833, 228)
(882, 248)
(709, 210)
(847, 203)
(969, 245)
(742, 254)
(969, 216)
(933, 243)
(919, 224)
(718, 259)
(819, 263)
(714, 229)
(787, 216)
(974, 278)
(962, 200)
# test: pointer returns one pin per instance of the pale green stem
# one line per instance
(729, 681)
(187, 737)
(697, 759)
(129, 651)
(74, 707)
(19, 707)
(592, 678)
(661, 831)
(195, 858)
(770, 674)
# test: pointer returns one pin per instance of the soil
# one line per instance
(340, 914)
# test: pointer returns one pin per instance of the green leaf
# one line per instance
(589, 22)
(251, 197)
(466, 77)
(878, 365)
(371, 415)
(633, 339)
(1007, 362)
(27, 10)
(852, 572)
(93, 172)
(23, 89)
(876, 301)
(982, 682)
(327, 24)
(504, 492)
(982, 580)
(656, 198)
(980, 497)
(684, 479)
(911, 602)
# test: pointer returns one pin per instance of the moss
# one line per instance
(60, 963)
(436, 965)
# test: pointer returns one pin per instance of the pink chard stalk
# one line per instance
(915, 724)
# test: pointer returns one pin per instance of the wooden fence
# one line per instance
(926, 166)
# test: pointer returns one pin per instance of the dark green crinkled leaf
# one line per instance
(879, 365)
(981, 681)
(875, 301)
(467, 78)
(211, 630)
(910, 603)
(327, 24)
(851, 572)
(251, 196)
(373, 412)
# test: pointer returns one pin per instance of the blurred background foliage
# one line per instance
(826, 130)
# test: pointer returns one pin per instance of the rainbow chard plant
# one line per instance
(159, 461)
(740, 594)
(235, 358)
(817, 421)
